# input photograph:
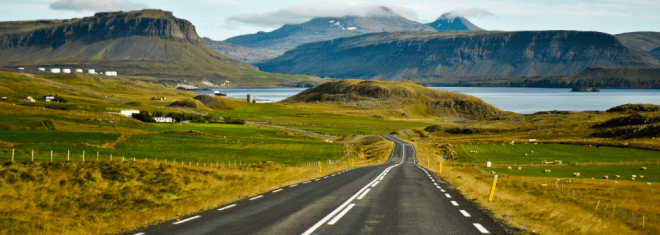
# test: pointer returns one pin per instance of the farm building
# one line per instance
(55, 70)
(66, 70)
(129, 112)
(42, 69)
(21, 68)
(158, 98)
(29, 99)
(4, 98)
(91, 71)
(164, 119)
(111, 73)
(79, 70)
(49, 98)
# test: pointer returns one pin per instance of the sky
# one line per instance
(222, 19)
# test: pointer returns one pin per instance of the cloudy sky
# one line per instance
(221, 19)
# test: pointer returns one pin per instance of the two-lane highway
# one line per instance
(398, 197)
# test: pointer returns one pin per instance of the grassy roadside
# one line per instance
(107, 196)
(523, 202)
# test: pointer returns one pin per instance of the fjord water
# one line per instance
(516, 99)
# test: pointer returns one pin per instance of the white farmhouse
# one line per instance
(129, 112)
(49, 98)
(79, 70)
(164, 119)
(55, 70)
(66, 70)
(91, 71)
(42, 69)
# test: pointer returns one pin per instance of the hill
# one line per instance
(456, 56)
(150, 43)
(327, 28)
(643, 41)
(402, 99)
(655, 53)
(446, 23)
(242, 54)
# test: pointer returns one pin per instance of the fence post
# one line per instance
(606, 207)
(68, 155)
(51, 155)
(123, 158)
(597, 205)
(12, 155)
(33, 155)
(613, 209)
(632, 218)
(83, 156)
(110, 157)
(643, 222)
(588, 200)
(97, 156)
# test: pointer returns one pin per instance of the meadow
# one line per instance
(651, 174)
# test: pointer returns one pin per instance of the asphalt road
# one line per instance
(397, 197)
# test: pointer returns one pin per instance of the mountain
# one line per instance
(149, 43)
(447, 23)
(398, 99)
(327, 28)
(643, 41)
(655, 53)
(242, 54)
(459, 55)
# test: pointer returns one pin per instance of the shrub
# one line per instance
(144, 116)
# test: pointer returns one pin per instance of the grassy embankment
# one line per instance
(529, 201)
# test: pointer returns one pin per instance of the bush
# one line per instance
(184, 104)
(60, 99)
(144, 116)
(631, 120)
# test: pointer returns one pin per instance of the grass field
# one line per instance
(522, 154)
(290, 77)
(652, 174)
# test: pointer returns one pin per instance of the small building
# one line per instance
(129, 112)
(21, 68)
(42, 69)
(49, 98)
(91, 71)
(29, 99)
(111, 73)
(4, 98)
(164, 119)
(66, 70)
(55, 70)
(158, 98)
(79, 70)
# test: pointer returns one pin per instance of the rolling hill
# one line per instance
(643, 41)
(456, 56)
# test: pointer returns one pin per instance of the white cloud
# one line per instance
(467, 13)
(301, 13)
(96, 5)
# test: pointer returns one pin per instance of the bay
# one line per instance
(516, 99)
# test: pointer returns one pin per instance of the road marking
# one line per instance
(257, 197)
(227, 207)
(333, 221)
(464, 213)
(186, 220)
(293, 185)
(362, 195)
(317, 179)
(139, 234)
(442, 190)
(447, 194)
(438, 187)
(306, 182)
(274, 191)
(454, 203)
(374, 185)
(481, 228)
(333, 174)
(436, 184)
(325, 177)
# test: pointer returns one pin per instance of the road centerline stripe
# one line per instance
(186, 220)
(348, 208)
(465, 213)
(454, 203)
(277, 190)
(447, 194)
(257, 197)
(363, 194)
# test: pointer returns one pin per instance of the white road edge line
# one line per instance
(257, 197)
(306, 182)
(277, 190)
(363, 194)
(333, 221)
(454, 203)
(186, 220)
(227, 207)
(293, 185)
(465, 213)
(481, 228)
(139, 234)
(374, 185)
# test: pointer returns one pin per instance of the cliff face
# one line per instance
(459, 56)
(102, 26)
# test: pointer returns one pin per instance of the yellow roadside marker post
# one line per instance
(440, 170)
(320, 167)
(492, 189)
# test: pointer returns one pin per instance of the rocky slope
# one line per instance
(460, 56)
(327, 28)
(401, 99)
(643, 41)
(446, 23)
(655, 53)
(242, 54)
(150, 43)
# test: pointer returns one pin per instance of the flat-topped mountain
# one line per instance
(399, 99)
(455, 56)
(327, 28)
(150, 43)
(242, 54)
(643, 41)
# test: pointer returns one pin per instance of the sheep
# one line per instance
(508, 168)
(576, 174)
(634, 176)
(525, 154)
(617, 176)
(519, 168)
(606, 177)
(643, 168)
(641, 176)
(546, 171)
(649, 183)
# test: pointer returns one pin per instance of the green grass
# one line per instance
(588, 171)
(508, 154)
(42, 136)
(289, 77)
(208, 143)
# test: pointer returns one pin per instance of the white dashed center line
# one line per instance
(293, 185)
(464, 213)
(365, 193)
(374, 185)
(274, 191)
(257, 197)
(454, 203)
(186, 220)
(348, 208)
(447, 194)
(306, 182)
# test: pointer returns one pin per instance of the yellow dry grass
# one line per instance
(104, 197)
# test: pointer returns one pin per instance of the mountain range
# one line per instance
(456, 56)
